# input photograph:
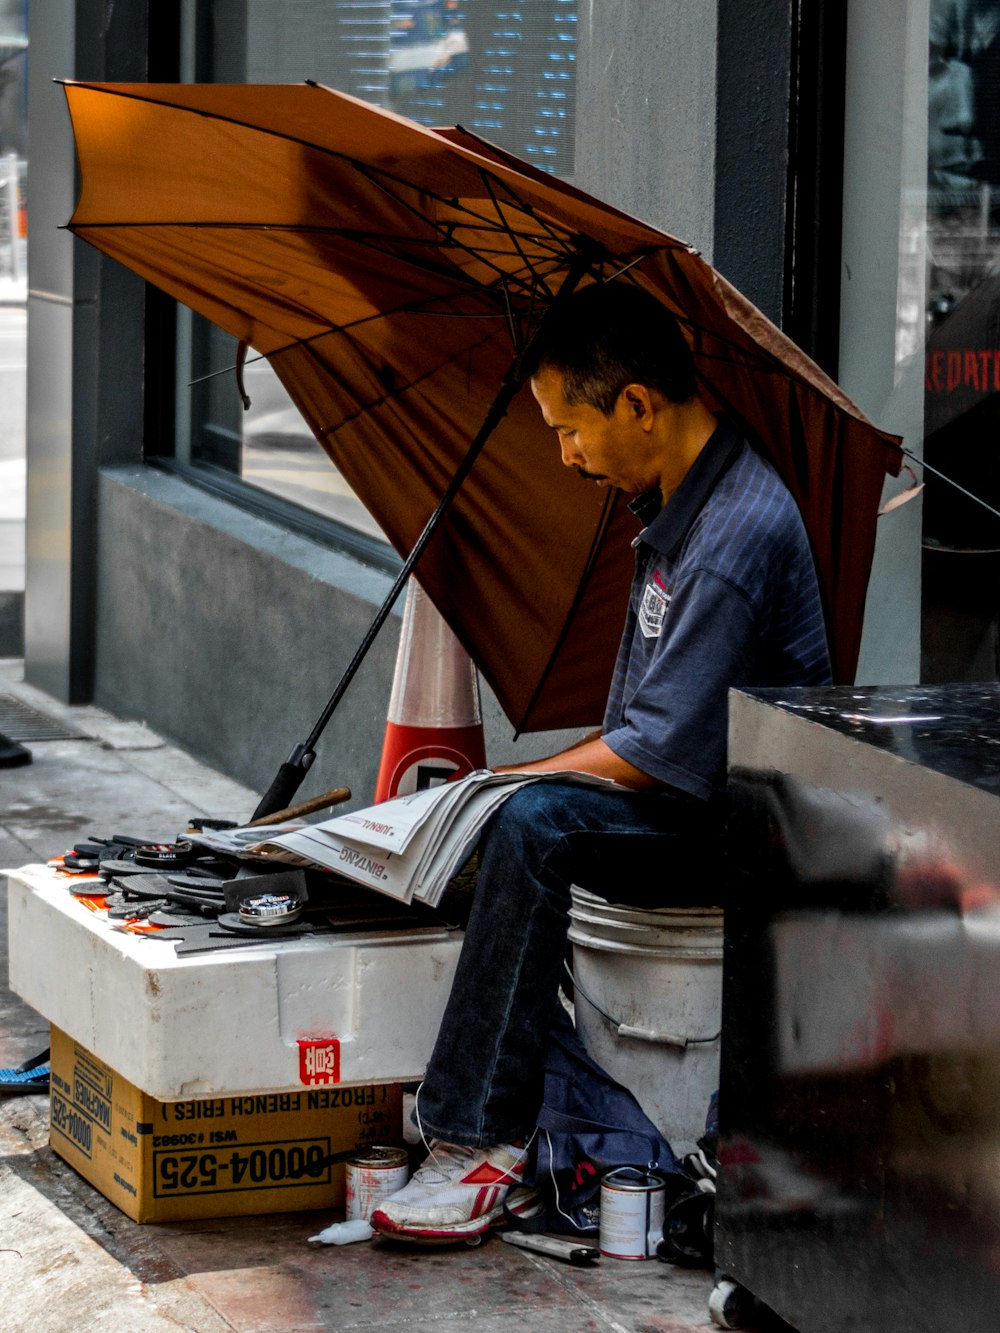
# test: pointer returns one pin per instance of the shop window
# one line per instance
(961, 560)
(920, 321)
(504, 70)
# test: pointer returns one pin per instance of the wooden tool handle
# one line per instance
(304, 807)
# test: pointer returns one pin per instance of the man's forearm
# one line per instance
(588, 756)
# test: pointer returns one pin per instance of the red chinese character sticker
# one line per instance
(319, 1060)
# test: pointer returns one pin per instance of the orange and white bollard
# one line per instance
(434, 730)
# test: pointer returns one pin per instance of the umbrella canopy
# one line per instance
(391, 275)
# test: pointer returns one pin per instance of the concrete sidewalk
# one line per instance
(69, 1259)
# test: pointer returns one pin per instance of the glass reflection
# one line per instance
(504, 70)
(961, 562)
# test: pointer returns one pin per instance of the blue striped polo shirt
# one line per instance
(724, 594)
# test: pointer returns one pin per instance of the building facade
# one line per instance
(210, 574)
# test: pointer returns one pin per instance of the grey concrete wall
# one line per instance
(645, 111)
(228, 633)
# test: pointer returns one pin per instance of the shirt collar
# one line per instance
(665, 529)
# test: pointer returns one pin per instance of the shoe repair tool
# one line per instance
(334, 797)
(199, 824)
(569, 1251)
(121, 909)
(229, 926)
(208, 901)
(118, 866)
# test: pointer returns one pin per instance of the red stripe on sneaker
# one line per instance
(488, 1174)
(484, 1200)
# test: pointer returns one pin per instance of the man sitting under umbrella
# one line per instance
(724, 594)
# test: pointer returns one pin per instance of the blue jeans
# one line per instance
(648, 849)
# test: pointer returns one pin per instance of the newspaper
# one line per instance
(408, 848)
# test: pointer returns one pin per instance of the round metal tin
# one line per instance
(164, 855)
(270, 909)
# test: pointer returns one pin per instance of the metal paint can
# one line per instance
(371, 1176)
(632, 1211)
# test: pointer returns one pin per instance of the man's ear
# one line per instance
(638, 403)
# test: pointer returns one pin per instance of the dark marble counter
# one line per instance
(952, 729)
(860, 1084)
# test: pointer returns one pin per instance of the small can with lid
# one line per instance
(270, 909)
(633, 1204)
(371, 1176)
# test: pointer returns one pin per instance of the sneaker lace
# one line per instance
(445, 1161)
(448, 1158)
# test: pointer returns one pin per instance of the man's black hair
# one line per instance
(609, 335)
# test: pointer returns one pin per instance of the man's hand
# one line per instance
(589, 756)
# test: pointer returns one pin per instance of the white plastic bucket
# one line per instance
(649, 1004)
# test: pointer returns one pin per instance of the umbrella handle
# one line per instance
(286, 783)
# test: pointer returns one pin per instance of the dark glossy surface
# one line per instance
(952, 729)
(860, 1098)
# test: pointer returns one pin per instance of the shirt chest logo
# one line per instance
(653, 607)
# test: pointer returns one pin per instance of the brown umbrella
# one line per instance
(392, 275)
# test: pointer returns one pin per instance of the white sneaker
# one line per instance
(457, 1192)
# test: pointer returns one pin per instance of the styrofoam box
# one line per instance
(240, 1020)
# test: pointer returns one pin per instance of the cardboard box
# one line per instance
(216, 1156)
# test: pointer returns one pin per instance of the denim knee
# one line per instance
(526, 842)
(535, 817)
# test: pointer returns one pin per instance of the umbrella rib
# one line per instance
(399, 389)
(951, 482)
(446, 229)
(368, 240)
(479, 219)
(410, 307)
(488, 186)
(348, 233)
(389, 249)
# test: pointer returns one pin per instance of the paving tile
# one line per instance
(76, 787)
(204, 791)
(264, 1279)
(372, 1285)
(58, 1269)
(13, 852)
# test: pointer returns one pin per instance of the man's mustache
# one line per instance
(590, 476)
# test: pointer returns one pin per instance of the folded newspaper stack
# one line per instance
(409, 847)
